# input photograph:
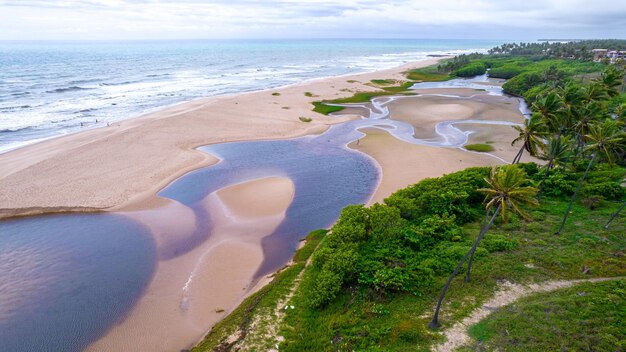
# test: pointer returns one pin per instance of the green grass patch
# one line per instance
(586, 317)
(305, 119)
(309, 94)
(324, 109)
(428, 74)
(275, 94)
(483, 148)
(384, 82)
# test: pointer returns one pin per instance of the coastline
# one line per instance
(97, 161)
(118, 167)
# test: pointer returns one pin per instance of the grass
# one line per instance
(361, 319)
(483, 148)
(324, 109)
(309, 94)
(428, 74)
(305, 119)
(383, 82)
(586, 317)
(261, 303)
(276, 94)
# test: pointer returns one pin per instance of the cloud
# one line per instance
(152, 19)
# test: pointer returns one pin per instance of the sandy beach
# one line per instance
(125, 164)
(122, 167)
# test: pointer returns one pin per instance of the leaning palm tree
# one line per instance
(556, 152)
(531, 134)
(506, 193)
(611, 79)
(604, 139)
(551, 109)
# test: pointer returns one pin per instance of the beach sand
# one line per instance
(404, 164)
(121, 168)
(192, 292)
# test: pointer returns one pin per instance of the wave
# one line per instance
(68, 89)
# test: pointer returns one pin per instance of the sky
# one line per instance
(224, 19)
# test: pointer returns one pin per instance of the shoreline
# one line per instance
(166, 281)
(32, 184)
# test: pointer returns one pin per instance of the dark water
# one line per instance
(326, 176)
(65, 279)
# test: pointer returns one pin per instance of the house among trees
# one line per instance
(612, 55)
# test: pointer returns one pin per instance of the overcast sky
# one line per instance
(190, 19)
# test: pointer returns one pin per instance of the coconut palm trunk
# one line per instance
(518, 156)
(571, 202)
(545, 176)
(435, 322)
(615, 215)
(471, 258)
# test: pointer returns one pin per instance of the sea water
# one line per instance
(49, 89)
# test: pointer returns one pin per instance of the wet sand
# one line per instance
(122, 166)
(178, 307)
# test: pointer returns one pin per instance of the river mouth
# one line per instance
(67, 280)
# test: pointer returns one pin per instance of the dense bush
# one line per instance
(519, 84)
(453, 194)
(506, 71)
(471, 70)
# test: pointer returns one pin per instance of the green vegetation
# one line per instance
(275, 94)
(361, 97)
(373, 281)
(261, 304)
(580, 49)
(309, 94)
(384, 82)
(305, 119)
(483, 148)
(324, 109)
(428, 74)
(471, 70)
(586, 317)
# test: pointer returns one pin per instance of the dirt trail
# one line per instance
(456, 336)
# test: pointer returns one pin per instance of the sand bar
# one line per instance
(192, 292)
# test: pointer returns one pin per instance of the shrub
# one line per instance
(479, 147)
(506, 71)
(305, 119)
(473, 69)
(498, 243)
(519, 84)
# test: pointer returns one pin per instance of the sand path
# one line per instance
(457, 336)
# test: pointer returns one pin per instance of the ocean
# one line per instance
(49, 89)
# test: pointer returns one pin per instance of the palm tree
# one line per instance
(557, 150)
(604, 139)
(530, 133)
(611, 79)
(505, 193)
(550, 108)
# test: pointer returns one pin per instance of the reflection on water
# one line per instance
(64, 279)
